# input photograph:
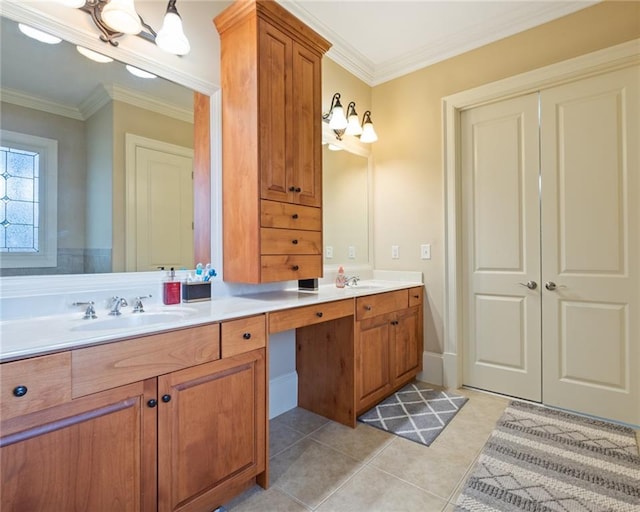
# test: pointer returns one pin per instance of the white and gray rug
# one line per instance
(543, 460)
(416, 412)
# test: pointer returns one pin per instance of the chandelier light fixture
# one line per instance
(349, 124)
(117, 18)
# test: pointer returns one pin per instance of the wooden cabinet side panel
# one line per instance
(212, 432)
(306, 143)
(90, 454)
(275, 112)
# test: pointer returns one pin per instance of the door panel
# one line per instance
(591, 236)
(500, 207)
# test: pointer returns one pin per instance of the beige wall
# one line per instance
(409, 180)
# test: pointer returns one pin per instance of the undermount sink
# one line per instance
(133, 320)
(368, 286)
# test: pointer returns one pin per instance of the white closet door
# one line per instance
(590, 146)
(501, 247)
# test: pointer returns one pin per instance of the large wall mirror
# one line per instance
(346, 183)
(121, 152)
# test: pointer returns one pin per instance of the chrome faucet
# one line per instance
(351, 280)
(116, 304)
(138, 307)
(90, 312)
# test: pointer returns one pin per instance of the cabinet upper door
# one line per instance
(274, 112)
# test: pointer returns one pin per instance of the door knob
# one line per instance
(550, 285)
(532, 285)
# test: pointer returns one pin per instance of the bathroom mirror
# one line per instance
(96, 114)
(346, 169)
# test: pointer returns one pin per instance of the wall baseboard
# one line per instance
(283, 394)
(432, 365)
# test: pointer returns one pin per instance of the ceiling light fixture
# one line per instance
(116, 18)
(349, 125)
(38, 35)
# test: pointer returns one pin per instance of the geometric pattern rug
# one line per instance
(542, 460)
(415, 412)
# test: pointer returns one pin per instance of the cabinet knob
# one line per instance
(294, 242)
(292, 189)
(20, 391)
(416, 296)
(319, 314)
(247, 335)
(298, 189)
(166, 398)
(294, 216)
(394, 322)
(368, 308)
(295, 268)
(152, 403)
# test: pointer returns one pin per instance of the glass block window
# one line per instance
(28, 196)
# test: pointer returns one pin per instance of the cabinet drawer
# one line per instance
(416, 296)
(290, 216)
(244, 335)
(309, 315)
(290, 241)
(381, 303)
(107, 366)
(45, 382)
(290, 267)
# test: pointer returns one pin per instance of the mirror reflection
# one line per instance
(96, 164)
(345, 208)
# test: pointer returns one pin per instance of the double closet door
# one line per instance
(551, 246)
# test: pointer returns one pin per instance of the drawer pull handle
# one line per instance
(294, 242)
(294, 216)
(152, 403)
(368, 308)
(166, 398)
(20, 391)
(319, 314)
(295, 268)
(247, 335)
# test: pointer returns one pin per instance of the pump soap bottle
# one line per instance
(171, 289)
(340, 279)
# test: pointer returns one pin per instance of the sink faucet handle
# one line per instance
(90, 312)
(138, 307)
(116, 304)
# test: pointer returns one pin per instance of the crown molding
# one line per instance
(29, 101)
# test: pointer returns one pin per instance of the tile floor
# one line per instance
(319, 465)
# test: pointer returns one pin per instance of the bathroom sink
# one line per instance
(367, 286)
(132, 320)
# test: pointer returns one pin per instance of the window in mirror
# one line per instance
(27, 206)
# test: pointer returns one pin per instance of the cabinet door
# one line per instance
(211, 431)
(372, 361)
(407, 349)
(307, 124)
(274, 112)
(95, 453)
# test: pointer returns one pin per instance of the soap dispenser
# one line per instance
(171, 289)
(340, 279)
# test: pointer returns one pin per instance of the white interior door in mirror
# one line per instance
(159, 205)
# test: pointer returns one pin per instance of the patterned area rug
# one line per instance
(416, 412)
(543, 460)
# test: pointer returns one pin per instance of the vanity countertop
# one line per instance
(47, 334)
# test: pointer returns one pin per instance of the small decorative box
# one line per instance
(198, 291)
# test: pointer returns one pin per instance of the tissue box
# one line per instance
(196, 291)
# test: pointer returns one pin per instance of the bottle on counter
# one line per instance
(340, 278)
(171, 289)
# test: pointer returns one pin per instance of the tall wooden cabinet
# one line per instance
(271, 144)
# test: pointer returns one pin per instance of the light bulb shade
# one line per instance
(368, 133)
(353, 124)
(338, 121)
(121, 16)
(334, 147)
(72, 3)
(38, 35)
(94, 56)
(171, 36)
(140, 73)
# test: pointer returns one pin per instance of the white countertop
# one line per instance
(43, 335)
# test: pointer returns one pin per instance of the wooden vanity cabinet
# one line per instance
(188, 437)
(388, 344)
(271, 143)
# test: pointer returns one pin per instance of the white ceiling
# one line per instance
(378, 40)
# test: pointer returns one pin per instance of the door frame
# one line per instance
(601, 61)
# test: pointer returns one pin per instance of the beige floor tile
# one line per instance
(256, 499)
(301, 420)
(281, 437)
(436, 469)
(372, 490)
(361, 443)
(310, 471)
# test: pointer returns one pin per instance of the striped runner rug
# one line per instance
(543, 460)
